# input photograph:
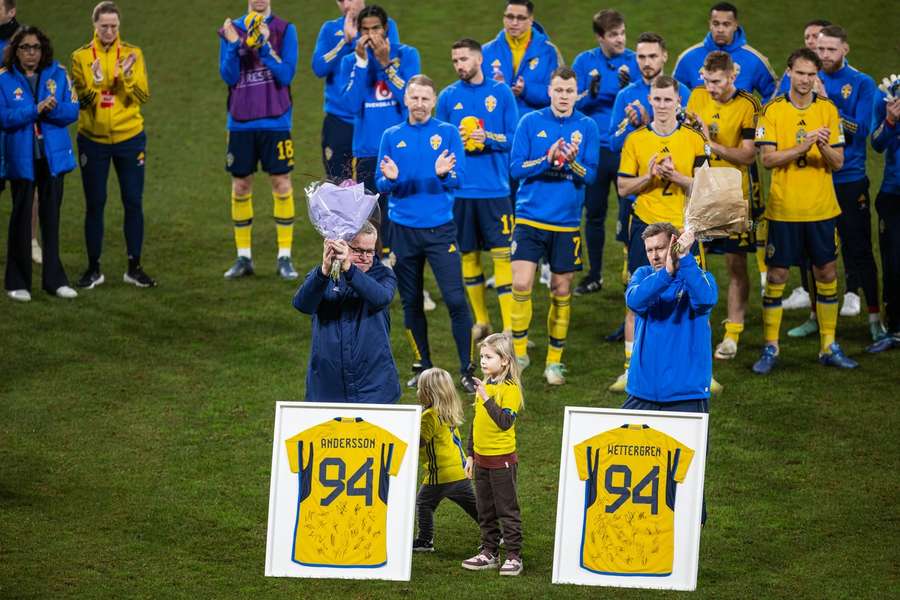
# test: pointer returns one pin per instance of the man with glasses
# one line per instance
(350, 359)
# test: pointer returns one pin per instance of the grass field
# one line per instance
(135, 425)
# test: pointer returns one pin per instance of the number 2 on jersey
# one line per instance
(351, 485)
(625, 491)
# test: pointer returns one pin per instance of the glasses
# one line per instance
(519, 18)
(30, 47)
(362, 251)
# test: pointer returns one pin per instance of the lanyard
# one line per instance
(118, 55)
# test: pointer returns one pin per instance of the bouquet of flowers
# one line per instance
(716, 206)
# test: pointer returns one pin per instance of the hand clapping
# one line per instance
(445, 163)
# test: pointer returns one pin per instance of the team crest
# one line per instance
(401, 144)
(382, 91)
(229, 159)
(846, 91)
(512, 248)
(770, 251)
(737, 69)
(801, 135)
(533, 63)
(328, 152)
(542, 133)
(760, 132)
(18, 93)
(140, 159)
(458, 106)
(490, 103)
(713, 130)
(496, 63)
(576, 137)
(435, 141)
(51, 87)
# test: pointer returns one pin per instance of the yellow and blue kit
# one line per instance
(630, 479)
(754, 73)
(344, 467)
(441, 451)
(494, 425)
(886, 140)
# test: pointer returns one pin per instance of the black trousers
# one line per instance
(596, 203)
(430, 496)
(888, 207)
(854, 226)
(18, 249)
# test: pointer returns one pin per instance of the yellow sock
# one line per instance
(827, 313)
(503, 284)
(772, 310)
(761, 259)
(473, 276)
(521, 319)
(284, 221)
(625, 274)
(242, 216)
(558, 326)
(733, 331)
(628, 348)
(412, 344)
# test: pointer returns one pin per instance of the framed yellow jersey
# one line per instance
(729, 123)
(630, 474)
(441, 451)
(662, 201)
(802, 190)
(344, 468)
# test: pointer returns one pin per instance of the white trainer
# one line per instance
(850, 308)
(798, 299)
(726, 350)
(619, 384)
(66, 292)
(19, 295)
(37, 256)
(427, 302)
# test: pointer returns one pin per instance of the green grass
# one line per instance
(135, 426)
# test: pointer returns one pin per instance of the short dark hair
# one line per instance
(564, 72)
(804, 54)
(718, 61)
(606, 20)
(725, 7)
(467, 43)
(372, 10)
(9, 4)
(817, 23)
(649, 37)
(106, 7)
(665, 81)
(423, 80)
(528, 4)
(654, 229)
(10, 54)
(835, 31)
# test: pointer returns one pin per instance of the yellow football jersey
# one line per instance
(663, 201)
(344, 467)
(487, 438)
(630, 474)
(730, 123)
(802, 190)
(441, 451)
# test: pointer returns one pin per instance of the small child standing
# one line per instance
(441, 451)
(492, 461)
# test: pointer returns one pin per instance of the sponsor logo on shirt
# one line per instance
(382, 91)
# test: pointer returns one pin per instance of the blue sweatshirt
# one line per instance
(487, 170)
(854, 94)
(619, 125)
(282, 64)
(886, 139)
(418, 197)
(599, 107)
(374, 95)
(540, 60)
(753, 70)
(330, 50)
(550, 198)
(672, 357)
(18, 116)
(350, 356)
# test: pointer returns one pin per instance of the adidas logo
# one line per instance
(458, 106)
(716, 116)
(542, 133)
(802, 122)
(402, 144)
(665, 149)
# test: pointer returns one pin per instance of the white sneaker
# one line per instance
(491, 282)
(545, 274)
(19, 295)
(798, 299)
(555, 374)
(726, 350)
(66, 292)
(762, 284)
(428, 303)
(619, 384)
(36, 255)
(850, 307)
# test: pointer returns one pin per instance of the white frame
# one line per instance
(582, 423)
(403, 420)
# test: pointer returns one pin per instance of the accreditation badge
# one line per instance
(107, 98)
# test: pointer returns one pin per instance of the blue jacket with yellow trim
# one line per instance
(754, 73)
(886, 139)
(418, 197)
(331, 48)
(619, 125)
(540, 60)
(672, 357)
(487, 170)
(18, 116)
(350, 357)
(548, 196)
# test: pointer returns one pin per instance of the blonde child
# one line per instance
(441, 451)
(491, 460)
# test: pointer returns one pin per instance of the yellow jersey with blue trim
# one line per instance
(344, 466)
(803, 190)
(630, 476)
(441, 450)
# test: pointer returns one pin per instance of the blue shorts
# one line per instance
(637, 253)
(791, 243)
(274, 150)
(741, 243)
(483, 223)
(561, 249)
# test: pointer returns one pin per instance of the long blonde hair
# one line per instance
(502, 345)
(436, 390)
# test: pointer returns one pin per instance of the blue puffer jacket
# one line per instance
(18, 115)
(350, 357)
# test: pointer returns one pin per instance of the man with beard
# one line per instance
(485, 112)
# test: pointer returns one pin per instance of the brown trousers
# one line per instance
(498, 507)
